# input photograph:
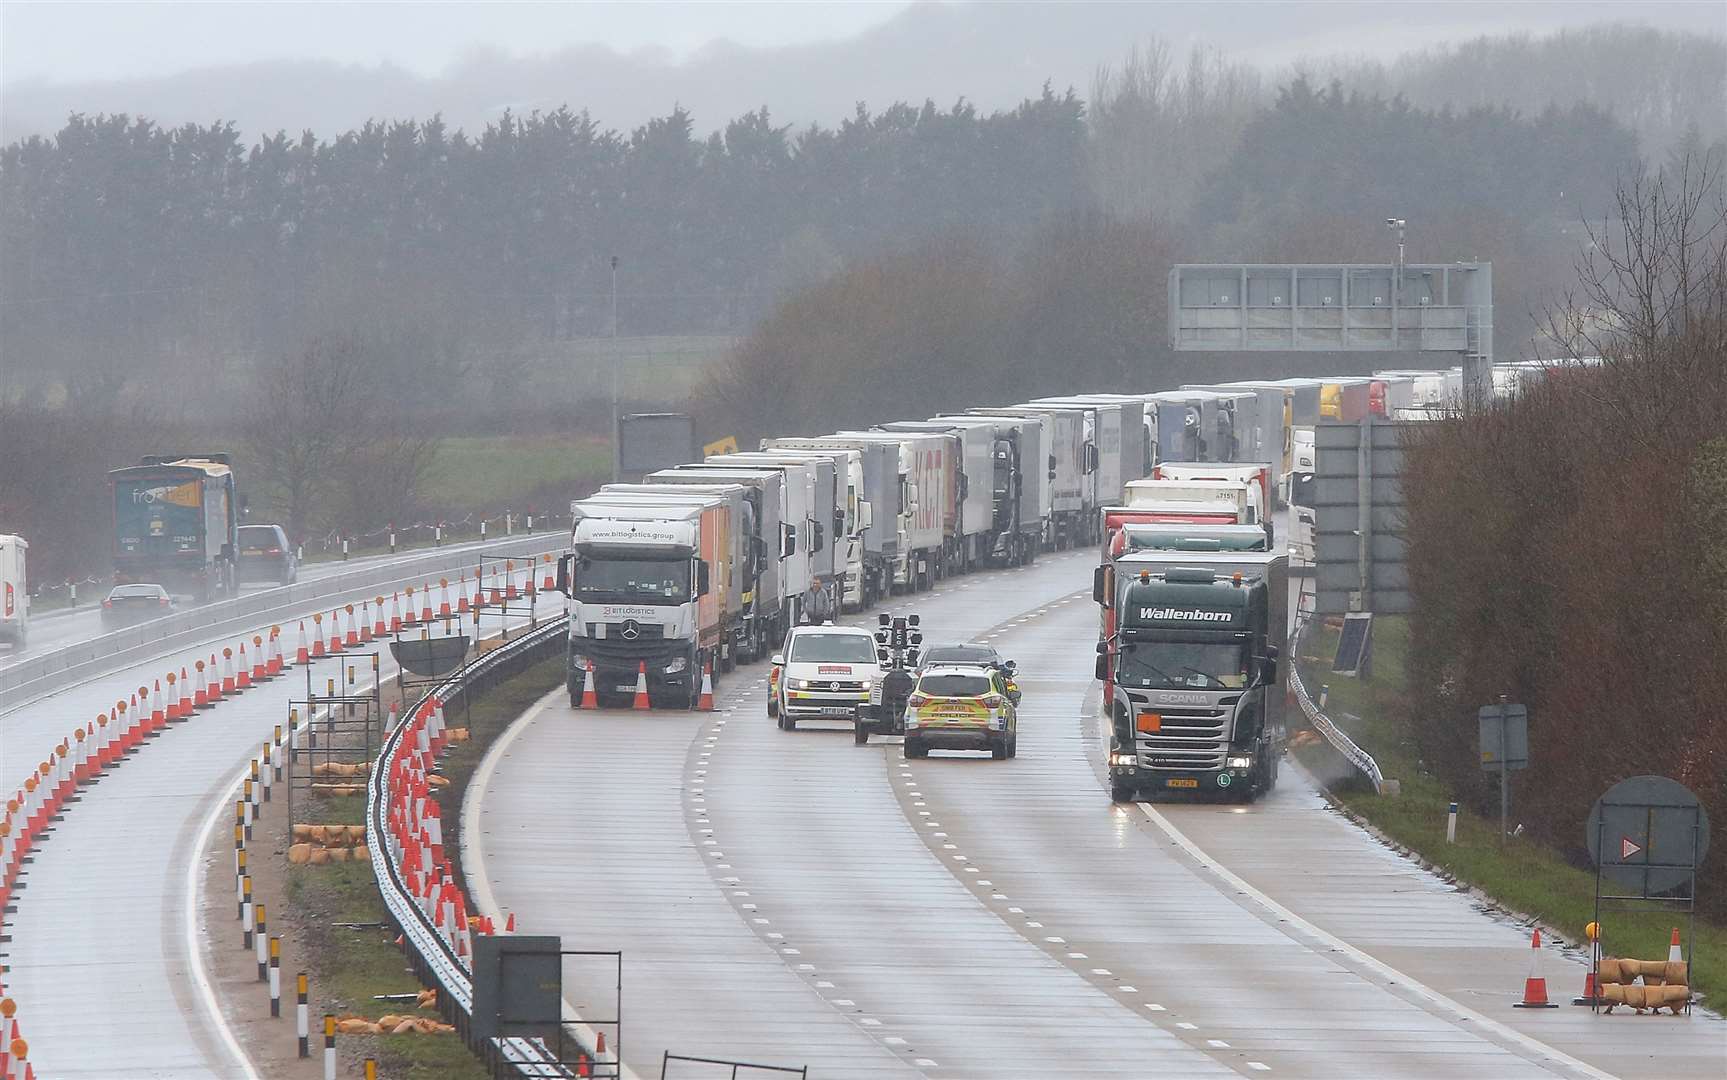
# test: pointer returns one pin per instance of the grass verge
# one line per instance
(1518, 874)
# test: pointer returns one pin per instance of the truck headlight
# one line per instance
(868, 685)
(797, 684)
(1241, 763)
(1123, 759)
(677, 664)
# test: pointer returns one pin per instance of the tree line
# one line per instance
(1566, 547)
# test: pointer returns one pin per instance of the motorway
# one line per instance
(790, 899)
(61, 628)
(106, 956)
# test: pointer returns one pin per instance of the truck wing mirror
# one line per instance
(820, 540)
(1102, 669)
(1097, 585)
(866, 515)
(1091, 457)
(702, 578)
(1103, 648)
(566, 566)
(839, 524)
(788, 541)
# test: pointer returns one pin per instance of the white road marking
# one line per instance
(1259, 1066)
(219, 808)
(1379, 967)
(1185, 1026)
(1155, 1007)
(1219, 1043)
(474, 849)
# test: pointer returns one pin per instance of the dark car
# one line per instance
(130, 604)
(969, 655)
(266, 555)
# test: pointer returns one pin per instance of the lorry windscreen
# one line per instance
(1182, 665)
(833, 649)
(635, 581)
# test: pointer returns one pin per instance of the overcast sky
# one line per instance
(66, 42)
(76, 42)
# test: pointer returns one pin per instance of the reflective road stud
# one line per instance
(275, 977)
(302, 1016)
(329, 1046)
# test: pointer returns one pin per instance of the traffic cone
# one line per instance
(1675, 953)
(590, 697)
(641, 700)
(1591, 988)
(335, 631)
(201, 691)
(443, 598)
(301, 653)
(158, 708)
(187, 702)
(510, 924)
(602, 1056)
(378, 627)
(215, 680)
(317, 635)
(706, 702)
(510, 580)
(274, 667)
(352, 640)
(462, 593)
(551, 582)
(479, 600)
(426, 602)
(260, 660)
(229, 685)
(409, 616)
(395, 613)
(1535, 986)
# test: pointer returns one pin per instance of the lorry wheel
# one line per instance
(1120, 791)
(773, 707)
(1013, 745)
(788, 723)
(999, 750)
(914, 748)
(860, 733)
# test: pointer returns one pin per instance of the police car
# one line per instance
(962, 707)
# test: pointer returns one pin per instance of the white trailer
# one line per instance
(14, 592)
(923, 468)
(1071, 461)
(972, 499)
(824, 525)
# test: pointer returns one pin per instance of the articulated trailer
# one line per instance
(968, 511)
(177, 524)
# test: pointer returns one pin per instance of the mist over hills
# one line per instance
(991, 54)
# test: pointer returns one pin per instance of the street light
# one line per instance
(616, 427)
(1397, 225)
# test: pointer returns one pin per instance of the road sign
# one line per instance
(1504, 735)
(1647, 835)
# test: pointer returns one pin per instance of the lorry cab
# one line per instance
(1194, 672)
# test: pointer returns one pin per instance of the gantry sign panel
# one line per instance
(1337, 307)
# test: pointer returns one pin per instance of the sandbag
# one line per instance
(300, 853)
(320, 856)
(356, 834)
(1639, 998)
(302, 833)
(434, 780)
(356, 1027)
(406, 1027)
(389, 1021)
(338, 854)
(1613, 970)
(362, 853)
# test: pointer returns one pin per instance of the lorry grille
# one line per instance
(1189, 739)
(628, 630)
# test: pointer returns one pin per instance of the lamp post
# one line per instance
(616, 428)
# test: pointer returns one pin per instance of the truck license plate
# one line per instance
(834, 710)
(1181, 782)
(626, 688)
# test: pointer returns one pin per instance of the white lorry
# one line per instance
(14, 592)
(923, 472)
(969, 510)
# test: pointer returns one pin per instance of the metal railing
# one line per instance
(1322, 723)
(428, 951)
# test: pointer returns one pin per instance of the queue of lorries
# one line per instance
(688, 571)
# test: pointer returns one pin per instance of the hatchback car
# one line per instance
(823, 672)
(961, 708)
(266, 555)
(127, 605)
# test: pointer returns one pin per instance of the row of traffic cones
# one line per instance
(590, 698)
(100, 744)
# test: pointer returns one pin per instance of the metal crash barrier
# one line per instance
(1322, 723)
(427, 937)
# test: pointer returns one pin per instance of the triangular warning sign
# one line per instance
(1627, 848)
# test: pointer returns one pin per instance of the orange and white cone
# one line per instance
(705, 703)
(1591, 987)
(510, 924)
(426, 602)
(462, 593)
(590, 697)
(603, 1054)
(551, 582)
(641, 700)
(444, 598)
(1675, 951)
(395, 612)
(1535, 986)
(378, 627)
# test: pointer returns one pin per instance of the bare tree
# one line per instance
(302, 424)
